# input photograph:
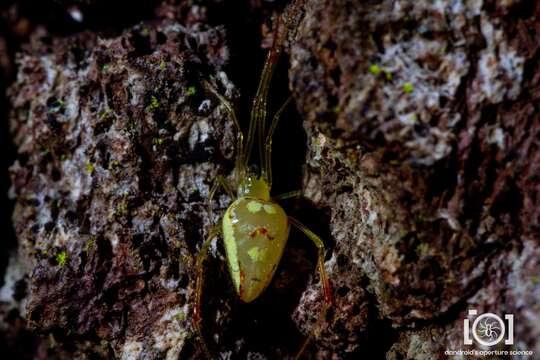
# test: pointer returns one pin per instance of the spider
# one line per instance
(254, 227)
(489, 329)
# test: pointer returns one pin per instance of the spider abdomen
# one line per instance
(255, 232)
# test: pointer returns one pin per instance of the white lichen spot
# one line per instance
(496, 136)
(270, 209)
(254, 206)
(408, 119)
(132, 350)
(372, 217)
(227, 84)
(204, 106)
(78, 180)
(320, 143)
(257, 254)
(255, 356)
(198, 133)
(491, 86)
(14, 272)
(433, 147)
(171, 334)
(475, 7)
(50, 70)
(205, 129)
(512, 65)
(76, 14)
(526, 288)
(72, 103)
(500, 68)
(136, 84)
(450, 219)
(63, 238)
(114, 242)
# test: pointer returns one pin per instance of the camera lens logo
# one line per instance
(488, 329)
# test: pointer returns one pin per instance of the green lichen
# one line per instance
(115, 164)
(154, 103)
(191, 91)
(105, 113)
(375, 69)
(90, 168)
(122, 208)
(408, 88)
(61, 258)
(388, 75)
(89, 244)
(158, 141)
(131, 126)
(423, 249)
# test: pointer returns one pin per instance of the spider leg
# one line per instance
(201, 258)
(287, 195)
(240, 155)
(267, 163)
(327, 290)
(219, 182)
(258, 110)
(257, 122)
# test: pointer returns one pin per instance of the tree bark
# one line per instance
(421, 171)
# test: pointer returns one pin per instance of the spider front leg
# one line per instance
(201, 258)
(219, 181)
(267, 162)
(287, 195)
(327, 290)
(239, 147)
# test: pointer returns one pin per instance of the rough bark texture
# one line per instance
(422, 174)
(423, 139)
(117, 146)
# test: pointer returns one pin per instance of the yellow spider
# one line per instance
(255, 228)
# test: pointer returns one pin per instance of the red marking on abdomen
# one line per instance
(261, 231)
(242, 278)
